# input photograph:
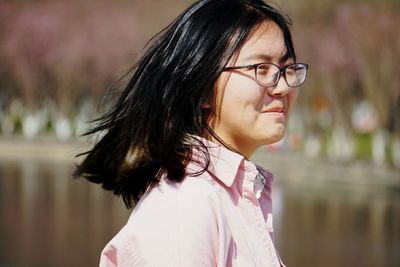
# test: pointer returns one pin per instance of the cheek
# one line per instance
(237, 94)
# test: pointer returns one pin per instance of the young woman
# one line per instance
(215, 85)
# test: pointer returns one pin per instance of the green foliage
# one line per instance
(17, 121)
(363, 146)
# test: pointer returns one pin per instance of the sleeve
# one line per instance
(108, 257)
(119, 252)
(176, 226)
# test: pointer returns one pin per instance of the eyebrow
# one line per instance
(268, 58)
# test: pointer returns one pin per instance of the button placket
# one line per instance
(265, 235)
(253, 202)
(253, 187)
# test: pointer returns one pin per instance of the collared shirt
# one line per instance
(219, 218)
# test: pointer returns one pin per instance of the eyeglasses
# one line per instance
(268, 74)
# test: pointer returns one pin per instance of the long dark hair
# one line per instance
(152, 127)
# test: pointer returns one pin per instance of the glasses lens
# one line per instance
(296, 74)
(267, 74)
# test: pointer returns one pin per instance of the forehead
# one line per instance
(266, 43)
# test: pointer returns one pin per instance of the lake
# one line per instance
(48, 219)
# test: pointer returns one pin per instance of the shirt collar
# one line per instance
(224, 163)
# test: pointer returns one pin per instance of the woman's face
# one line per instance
(249, 115)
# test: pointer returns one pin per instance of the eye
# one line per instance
(266, 70)
(296, 74)
(263, 70)
(267, 74)
(291, 70)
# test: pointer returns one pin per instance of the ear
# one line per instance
(205, 106)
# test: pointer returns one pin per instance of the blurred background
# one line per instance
(337, 189)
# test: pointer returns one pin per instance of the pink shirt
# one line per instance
(214, 219)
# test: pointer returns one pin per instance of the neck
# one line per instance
(230, 145)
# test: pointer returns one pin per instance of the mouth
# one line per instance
(279, 109)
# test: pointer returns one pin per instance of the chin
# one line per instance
(274, 137)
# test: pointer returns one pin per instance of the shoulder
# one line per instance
(203, 185)
(167, 207)
(198, 193)
(171, 221)
(191, 189)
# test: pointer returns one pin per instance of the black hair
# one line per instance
(151, 129)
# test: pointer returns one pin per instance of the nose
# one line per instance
(280, 89)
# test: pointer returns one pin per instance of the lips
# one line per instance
(276, 109)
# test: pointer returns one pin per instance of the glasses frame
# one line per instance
(282, 72)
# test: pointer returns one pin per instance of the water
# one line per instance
(327, 227)
(49, 220)
(46, 219)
